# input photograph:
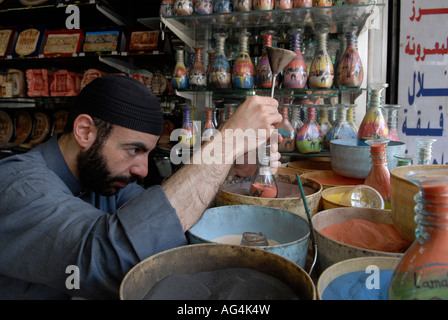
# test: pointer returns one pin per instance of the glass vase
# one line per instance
(221, 75)
(284, 4)
(180, 74)
(286, 130)
(303, 3)
(223, 6)
(263, 4)
(186, 137)
(242, 5)
(183, 7)
(310, 138)
(424, 150)
(379, 175)
(321, 71)
(422, 272)
(323, 121)
(203, 7)
(374, 125)
(264, 72)
(209, 129)
(341, 129)
(350, 72)
(295, 74)
(198, 78)
(392, 120)
(243, 75)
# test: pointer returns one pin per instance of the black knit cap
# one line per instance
(123, 101)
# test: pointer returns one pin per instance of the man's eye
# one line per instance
(133, 151)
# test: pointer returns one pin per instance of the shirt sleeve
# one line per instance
(44, 229)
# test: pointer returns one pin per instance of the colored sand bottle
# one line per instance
(209, 126)
(350, 72)
(341, 129)
(424, 150)
(186, 137)
(286, 130)
(392, 120)
(422, 273)
(221, 74)
(321, 72)
(379, 175)
(310, 138)
(263, 183)
(198, 78)
(295, 74)
(264, 72)
(180, 74)
(243, 75)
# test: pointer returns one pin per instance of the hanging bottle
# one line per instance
(374, 125)
(303, 3)
(221, 75)
(286, 130)
(198, 78)
(424, 150)
(341, 129)
(263, 4)
(324, 123)
(264, 184)
(310, 138)
(180, 74)
(392, 120)
(209, 127)
(242, 5)
(350, 72)
(321, 71)
(264, 72)
(379, 175)
(322, 3)
(223, 6)
(295, 73)
(203, 6)
(183, 7)
(284, 4)
(422, 272)
(186, 137)
(243, 74)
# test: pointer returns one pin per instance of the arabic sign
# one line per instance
(423, 76)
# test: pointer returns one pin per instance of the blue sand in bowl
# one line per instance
(352, 286)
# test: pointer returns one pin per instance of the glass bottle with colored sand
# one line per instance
(350, 73)
(379, 175)
(310, 138)
(286, 130)
(295, 73)
(221, 75)
(198, 78)
(341, 129)
(422, 273)
(243, 75)
(374, 125)
(209, 127)
(264, 72)
(186, 137)
(392, 120)
(263, 183)
(321, 72)
(180, 73)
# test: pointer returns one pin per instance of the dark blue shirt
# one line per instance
(48, 222)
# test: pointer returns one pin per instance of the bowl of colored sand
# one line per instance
(235, 191)
(351, 232)
(402, 198)
(351, 160)
(216, 272)
(286, 232)
(311, 164)
(365, 278)
(329, 178)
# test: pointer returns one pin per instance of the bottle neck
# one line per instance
(378, 154)
(352, 39)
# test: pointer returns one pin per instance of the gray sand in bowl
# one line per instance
(224, 284)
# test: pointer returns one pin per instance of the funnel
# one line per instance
(278, 59)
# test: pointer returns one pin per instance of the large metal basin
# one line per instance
(287, 228)
(351, 160)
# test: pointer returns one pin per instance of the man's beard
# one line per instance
(94, 174)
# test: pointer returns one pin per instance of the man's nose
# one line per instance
(140, 167)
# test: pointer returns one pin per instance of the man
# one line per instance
(72, 204)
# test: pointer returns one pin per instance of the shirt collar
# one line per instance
(56, 162)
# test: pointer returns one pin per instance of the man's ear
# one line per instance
(84, 130)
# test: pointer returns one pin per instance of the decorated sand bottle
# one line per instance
(310, 138)
(341, 129)
(186, 137)
(374, 125)
(286, 129)
(422, 273)
(324, 121)
(222, 117)
(264, 72)
(296, 121)
(321, 72)
(322, 3)
(183, 7)
(295, 73)
(263, 4)
(392, 120)
(379, 175)
(223, 6)
(209, 129)
(350, 72)
(196, 131)
(198, 78)
(303, 3)
(242, 5)
(424, 150)
(180, 74)
(263, 183)
(203, 7)
(243, 75)
(221, 74)
(284, 4)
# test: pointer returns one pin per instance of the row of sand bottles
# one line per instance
(187, 7)
(244, 75)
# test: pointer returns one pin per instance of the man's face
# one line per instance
(107, 166)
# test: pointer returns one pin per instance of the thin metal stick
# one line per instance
(313, 235)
